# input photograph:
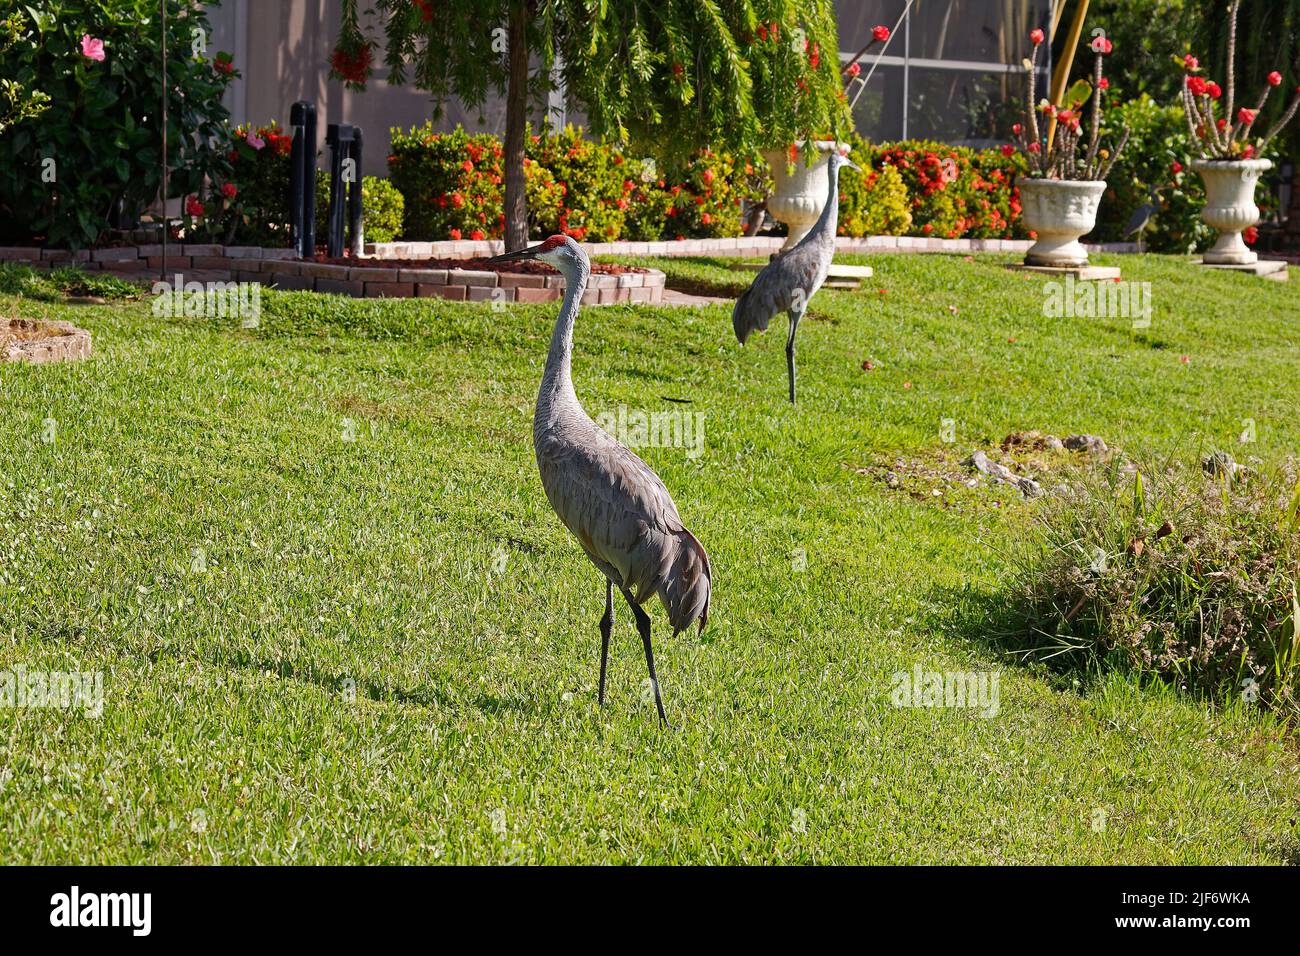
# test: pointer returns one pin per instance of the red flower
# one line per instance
(1008, 151)
(1035, 148)
(1213, 90)
(477, 235)
(1275, 78)
(880, 33)
(762, 32)
(815, 57)
(193, 207)
(1102, 45)
(1177, 167)
(1251, 235)
(854, 69)
(229, 191)
(1017, 129)
(225, 65)
(351, 67)
(1036, 36)
(1190, 63)
(457, 200)
(677, 69)
(1245, 117)
(467, 166)
(426, 9)
(454, 233)
(1103, 84)
(1197, 85)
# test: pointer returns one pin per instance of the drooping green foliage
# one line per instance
(671, 76)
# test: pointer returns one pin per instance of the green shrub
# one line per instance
(453, 184)
(873, 202)
(1158, 157)
(953, 191)
(105, 153)
(706, 203)
(382, 207)
(593, 190)
(1175, 572)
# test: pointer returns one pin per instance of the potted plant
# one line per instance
(1067, 165)
(1231, 161)
(799, 168)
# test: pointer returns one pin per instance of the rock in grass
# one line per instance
(1222, 465)
(1089, 444)
(998, 472)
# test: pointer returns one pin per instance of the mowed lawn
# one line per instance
(338, 621)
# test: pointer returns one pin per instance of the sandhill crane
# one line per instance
(612, 502)
(790, 280)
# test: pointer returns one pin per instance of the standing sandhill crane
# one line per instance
(612, 502)
(790, 280)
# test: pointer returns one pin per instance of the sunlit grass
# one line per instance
(311, 655)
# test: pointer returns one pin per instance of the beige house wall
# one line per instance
(282, 48)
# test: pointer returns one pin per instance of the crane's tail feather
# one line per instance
(745, 318)
(688, 586)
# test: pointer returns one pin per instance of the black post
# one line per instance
(340, 137)
(356, 233)
(302, 178)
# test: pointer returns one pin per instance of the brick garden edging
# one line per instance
(70, 342)
(281, 268)
(468, 285)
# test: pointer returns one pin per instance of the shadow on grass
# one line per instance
(424, 696)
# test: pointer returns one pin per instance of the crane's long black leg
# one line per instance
(606, 624)
(789, 350)
(643, 626)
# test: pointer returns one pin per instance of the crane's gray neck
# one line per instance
(557, 384)
(824, 231)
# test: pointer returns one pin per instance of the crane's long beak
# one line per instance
(517, 254)
(851, 164)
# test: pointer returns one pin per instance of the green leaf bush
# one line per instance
(100, 126)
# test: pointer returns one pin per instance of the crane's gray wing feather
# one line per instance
(774, 289)
(625, 519)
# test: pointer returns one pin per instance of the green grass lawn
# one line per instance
(200, 530)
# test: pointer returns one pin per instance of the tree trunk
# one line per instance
(516, 118)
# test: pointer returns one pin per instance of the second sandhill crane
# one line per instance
(612, 502)
(790, 280)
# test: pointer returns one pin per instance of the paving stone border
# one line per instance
(64, 342)
(283, 269)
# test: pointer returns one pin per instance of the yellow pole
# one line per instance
(1062, 72)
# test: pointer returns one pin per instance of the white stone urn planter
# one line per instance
(1060, 212)
(1230, 206)
(798, 199)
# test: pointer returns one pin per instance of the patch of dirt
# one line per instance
(1023, 465)
(479, 264)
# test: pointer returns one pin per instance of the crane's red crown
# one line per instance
(551, 243)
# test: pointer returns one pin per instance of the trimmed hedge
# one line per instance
(594, 191)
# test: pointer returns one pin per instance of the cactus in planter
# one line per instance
(1069, 155)
(1220, 137)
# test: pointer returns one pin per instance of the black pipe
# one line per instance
(302, 178)
(355, 226)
